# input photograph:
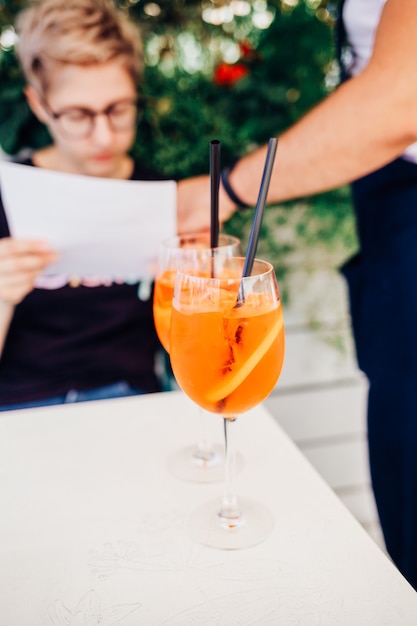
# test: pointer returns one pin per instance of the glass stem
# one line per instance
(229, 514)
(204, 450)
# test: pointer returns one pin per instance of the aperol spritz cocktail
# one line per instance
(227, 352)
(202, 462)
(175, 252)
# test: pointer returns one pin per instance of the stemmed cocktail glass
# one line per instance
(204, 461)
(227, 351)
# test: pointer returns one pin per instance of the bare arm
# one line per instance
(364, 124)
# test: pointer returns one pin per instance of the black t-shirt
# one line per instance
(79, 337)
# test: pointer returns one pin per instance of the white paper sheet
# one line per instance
(100, 227)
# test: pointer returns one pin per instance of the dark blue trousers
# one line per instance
(382, 282)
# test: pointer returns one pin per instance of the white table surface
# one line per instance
(93, 528)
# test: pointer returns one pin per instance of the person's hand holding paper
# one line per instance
(21, 261)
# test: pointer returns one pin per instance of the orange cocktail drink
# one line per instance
(227, 352)
(162, 300)
(174, 253)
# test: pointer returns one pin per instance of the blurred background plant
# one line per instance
(234, 70)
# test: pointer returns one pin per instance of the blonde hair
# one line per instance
(79, 32)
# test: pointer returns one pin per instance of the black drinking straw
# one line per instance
(259, 211)
(214, 192)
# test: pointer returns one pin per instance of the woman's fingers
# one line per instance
(21, 261)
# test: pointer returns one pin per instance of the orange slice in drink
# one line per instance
(235, 378)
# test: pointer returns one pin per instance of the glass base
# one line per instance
(253, 526)
(192, 465)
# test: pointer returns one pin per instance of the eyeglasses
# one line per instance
(78, 122)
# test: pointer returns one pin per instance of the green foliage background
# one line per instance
(290, 67)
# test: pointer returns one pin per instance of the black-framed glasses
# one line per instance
(78, 122)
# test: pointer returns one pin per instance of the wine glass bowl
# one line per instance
(227, 352)
(177, 251)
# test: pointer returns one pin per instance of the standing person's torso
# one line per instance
(361, 19)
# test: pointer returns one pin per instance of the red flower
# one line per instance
(246, 49)
(227, 74)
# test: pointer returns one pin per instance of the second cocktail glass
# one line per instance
(204, 461)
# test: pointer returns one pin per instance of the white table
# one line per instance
(93, 526)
